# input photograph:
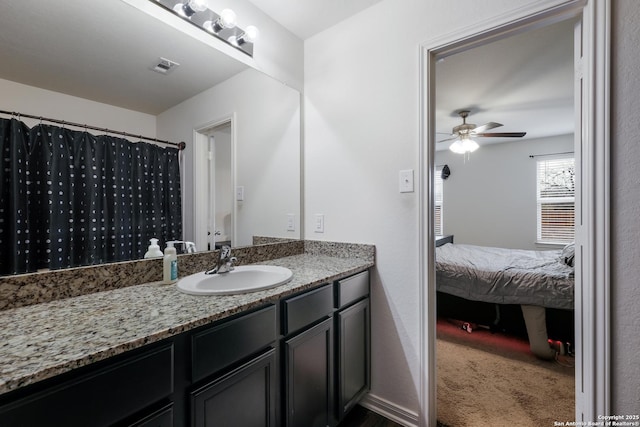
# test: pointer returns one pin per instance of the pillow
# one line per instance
(567, 256)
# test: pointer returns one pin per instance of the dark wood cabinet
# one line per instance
(309, 377)
(224, 344)
(302, 362)
(327, 352)
(246, 396)
(353, 347)
(353, 355)
(160, 418)
(102, 396)
(235, 371)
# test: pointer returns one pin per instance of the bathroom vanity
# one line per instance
(148, 355)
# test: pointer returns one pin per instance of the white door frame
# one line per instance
(592, 204)
(200, 177)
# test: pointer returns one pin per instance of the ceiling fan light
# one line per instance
(456, 147)
(469, 145)
(464, 145)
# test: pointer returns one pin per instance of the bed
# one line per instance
(536, 281)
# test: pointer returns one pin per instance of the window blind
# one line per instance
(556, 200)
(438, 187)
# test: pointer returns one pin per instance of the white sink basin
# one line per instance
(243, 279)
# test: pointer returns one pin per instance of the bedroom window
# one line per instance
(556, 200)
(438, 187)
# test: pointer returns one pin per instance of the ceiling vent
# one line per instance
(165, 66)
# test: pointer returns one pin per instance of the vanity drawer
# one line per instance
(101, 397)
(307, 308)
(352, 289)
(220, 346)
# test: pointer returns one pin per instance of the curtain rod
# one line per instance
(181, 145)
(549, 154)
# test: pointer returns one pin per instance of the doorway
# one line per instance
(591, 124)
(220, 220)
(524, 82)
(214, 180)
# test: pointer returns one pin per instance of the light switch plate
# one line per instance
(319, 224)
(291, 222)
(239, 193)
(406, 181)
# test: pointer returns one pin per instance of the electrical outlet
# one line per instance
(239, 193)
(319, 224)
(291, 222)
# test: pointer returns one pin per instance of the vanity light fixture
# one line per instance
(222, 26)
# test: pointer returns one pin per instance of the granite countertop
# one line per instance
(43, 340)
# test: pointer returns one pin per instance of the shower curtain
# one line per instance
(69, 198)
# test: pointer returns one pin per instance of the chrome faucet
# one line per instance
(189, 247)
(225, 262)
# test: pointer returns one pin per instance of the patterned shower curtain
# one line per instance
(69, 198)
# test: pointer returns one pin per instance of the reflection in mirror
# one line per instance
(220, 219)
(265, 156)
(82, 83)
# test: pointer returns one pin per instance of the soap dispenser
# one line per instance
(154, 250)
(170, 265)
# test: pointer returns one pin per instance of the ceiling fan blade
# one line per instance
(502, 135)
(486, 126)
(447, 139)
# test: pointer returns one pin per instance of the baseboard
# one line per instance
(390, 410)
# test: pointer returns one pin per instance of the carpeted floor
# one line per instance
(487, 379)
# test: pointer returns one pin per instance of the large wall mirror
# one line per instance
(92, 62)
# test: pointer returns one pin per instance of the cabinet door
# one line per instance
(161, 418)
(353, 355)
(309, 377)
(246, 396)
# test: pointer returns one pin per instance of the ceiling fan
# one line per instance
(463, 133)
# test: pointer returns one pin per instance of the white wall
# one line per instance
(361, 128)
(40, 102)
(625, 208)
(498, 184)
(278, 52)
(267, 149)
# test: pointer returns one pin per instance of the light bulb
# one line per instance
(251, 34)
(188, 9)
(227, 19)
(198, 5)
